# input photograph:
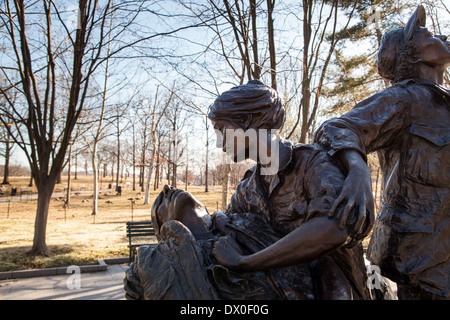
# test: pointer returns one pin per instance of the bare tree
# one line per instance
(242, 20)
(5, 138)
(156, 116)
(121, 126)
(315, 63)
(6, 127)
(43, 47)
(176, 117)
(44, 147)
(272, 51)
(97, 128)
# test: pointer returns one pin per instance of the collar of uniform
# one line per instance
(285, 158)
(434, 85)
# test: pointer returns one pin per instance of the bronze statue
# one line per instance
(275, 241)
(408, 124)
(182, 267)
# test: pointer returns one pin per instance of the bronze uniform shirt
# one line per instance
(408, 124)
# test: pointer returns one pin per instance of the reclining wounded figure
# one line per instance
(182, 266)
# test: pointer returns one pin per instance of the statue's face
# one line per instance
(177, 204)
(237, 148)
(433, 50)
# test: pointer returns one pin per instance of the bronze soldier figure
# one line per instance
(408, 124)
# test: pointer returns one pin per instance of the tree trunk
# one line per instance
(169, 162)
(76, 166)
(149, 176)
(156, 180)
(7, 156)
(158, 165)
(174, 152)
(174, 174)
(134, 160)
(257, 67)
(206, 169)
(95, 173)
(187, 163)
(45, 190)
(225, 185)
(118, 155)
(270, 30)
(141, 176)
(306, 99)
(306, 81)
(142, 169)
(30, 184)
(207, 155)
(68, 177)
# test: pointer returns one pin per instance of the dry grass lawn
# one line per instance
(74, 236)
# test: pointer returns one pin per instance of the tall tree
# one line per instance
(43, 47)
(5, 138)
(243, 21)
(354, 75)
(320, 22)
(272, 51)
(156, 116)
(44, 147)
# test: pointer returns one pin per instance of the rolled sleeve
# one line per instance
(323, 184)
(337, 134)
(372, 124)
(323, 181)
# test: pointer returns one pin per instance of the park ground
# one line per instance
(74, 236)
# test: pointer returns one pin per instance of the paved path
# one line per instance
(104, 285)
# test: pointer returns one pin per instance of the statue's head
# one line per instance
(180, 205)
(402, 50)
(253, 106)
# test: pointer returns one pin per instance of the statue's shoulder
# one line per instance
(405, 83)
(311, 148)
(400, 91)
(310, 155)
(399, 88)
(416, 84)
(421, 88)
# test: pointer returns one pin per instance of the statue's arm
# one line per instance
(320, 181)
(310, 241)
(356, 193)
(375, 123)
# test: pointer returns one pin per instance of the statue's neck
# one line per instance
(199, 223)
(432, 73)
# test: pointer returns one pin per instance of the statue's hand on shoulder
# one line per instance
(356, 194)
(227, 253)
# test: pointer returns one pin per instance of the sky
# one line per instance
(138, 71)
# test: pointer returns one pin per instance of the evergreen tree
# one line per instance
(354, 76)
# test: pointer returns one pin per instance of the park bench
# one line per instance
(138, 230)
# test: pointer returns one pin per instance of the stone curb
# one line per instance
(101, 266)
